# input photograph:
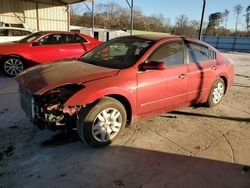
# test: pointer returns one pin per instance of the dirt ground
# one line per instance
(191, 147)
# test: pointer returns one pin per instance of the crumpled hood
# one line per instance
(42, 78)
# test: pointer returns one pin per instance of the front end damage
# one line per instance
(48, 110)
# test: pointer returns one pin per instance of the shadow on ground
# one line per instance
(121, 166)
(61, 138)
(208, 116)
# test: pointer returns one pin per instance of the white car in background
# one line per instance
(9, 34)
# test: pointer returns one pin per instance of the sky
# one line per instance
(191, 8)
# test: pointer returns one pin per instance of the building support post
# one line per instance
(131, 6)
(37, 17)
(92, 12)
(93, 17)
(202, 17)
(68, 18)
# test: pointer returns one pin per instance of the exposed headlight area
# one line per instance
(48, 110)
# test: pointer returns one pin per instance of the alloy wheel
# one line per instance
(13, 66)
(107, 125)
(218, 92)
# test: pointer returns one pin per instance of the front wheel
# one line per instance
(217, 93)
(101, 123)
(12, 66)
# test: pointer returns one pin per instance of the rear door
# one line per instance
(161, 90)
(75, 46)
(202, 67)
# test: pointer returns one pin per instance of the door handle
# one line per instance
(214, 67)
(60, 50)
(182, 76)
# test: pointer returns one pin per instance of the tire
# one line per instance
(12, 66)
(216, 94)
(97, 130)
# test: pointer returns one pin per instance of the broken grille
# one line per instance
(26, 100)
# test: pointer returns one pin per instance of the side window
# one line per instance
(52, 39)
(16, 32)
(198, 53)
(73, 39)
(171, 53)
(4, 32)
(26, 33)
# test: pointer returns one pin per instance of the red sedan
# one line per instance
(43, 47)
(122, 81)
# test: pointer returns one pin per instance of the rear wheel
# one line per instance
(217, 93)
(12, 66)
(102, 123)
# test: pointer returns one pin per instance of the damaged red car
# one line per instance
(122, 81)
(43, 47)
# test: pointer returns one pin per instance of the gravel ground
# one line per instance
(191, 147)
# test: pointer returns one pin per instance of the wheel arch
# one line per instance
(125, 102)
(84, 97)
(4, 57)
(224, 78)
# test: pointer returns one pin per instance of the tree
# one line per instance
(225, 15)
(214, 22)
(248, 18)
(237, 10)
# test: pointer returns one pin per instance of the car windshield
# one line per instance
(30, 37)
(118, 53)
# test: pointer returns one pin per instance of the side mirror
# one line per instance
(36, 43)
(154, 65)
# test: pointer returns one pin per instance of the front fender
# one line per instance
(87, 96)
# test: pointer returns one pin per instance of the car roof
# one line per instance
(56, 32)
(19, 28)
(158, 37)
(153, 37)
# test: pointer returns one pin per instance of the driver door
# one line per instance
(163, 90)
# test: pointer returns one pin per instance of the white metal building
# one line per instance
(99, 34)
(38, 15)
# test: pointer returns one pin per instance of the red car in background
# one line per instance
(43, 47)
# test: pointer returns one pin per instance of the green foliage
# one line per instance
(248, 17)
(214, 21)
